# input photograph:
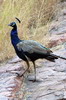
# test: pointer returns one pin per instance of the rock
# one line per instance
(3, 97)
(15, 60)
(10, 84)
(56, 40)
(57, 28)
(57, 33)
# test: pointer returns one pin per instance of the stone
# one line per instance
(9, 82)
(56, 40)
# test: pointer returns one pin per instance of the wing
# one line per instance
(31, 46)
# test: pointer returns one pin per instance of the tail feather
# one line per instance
(53, 55)
(51, 58)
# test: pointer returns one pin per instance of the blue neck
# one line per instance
(14, 37)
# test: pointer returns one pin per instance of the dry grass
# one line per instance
(35, 16)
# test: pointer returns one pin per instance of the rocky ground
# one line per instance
(10, 84)
(51, 77)
(50, 85)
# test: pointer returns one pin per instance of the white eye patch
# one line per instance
(13, 24)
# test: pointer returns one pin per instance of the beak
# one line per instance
(9, 24)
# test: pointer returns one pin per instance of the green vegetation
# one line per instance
(35, 16)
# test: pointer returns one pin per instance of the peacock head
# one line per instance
(12, 24)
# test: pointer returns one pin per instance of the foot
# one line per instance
(19, 75)
(33, 80)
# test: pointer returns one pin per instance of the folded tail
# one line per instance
(52, 57)
(58, 56)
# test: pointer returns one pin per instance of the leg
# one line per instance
(34, 70)
(27, 65)
(25, 70)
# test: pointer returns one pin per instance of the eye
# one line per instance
(13, 24)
